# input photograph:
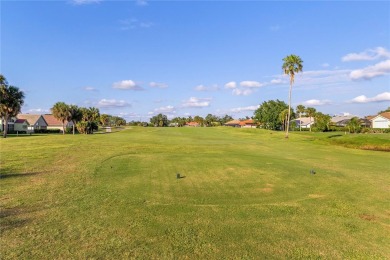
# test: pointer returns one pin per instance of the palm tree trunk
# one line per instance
(300, 121)
(289, 110)
(63, 127)
(5, 126)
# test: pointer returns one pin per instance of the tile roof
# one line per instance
(233, 122)
(385, 115)
(21, 121)
(52, 121)
(31, 118)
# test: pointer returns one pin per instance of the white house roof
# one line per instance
(337, 119)
(304, 120)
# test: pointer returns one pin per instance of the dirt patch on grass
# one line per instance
(367, 217)
(316, 196)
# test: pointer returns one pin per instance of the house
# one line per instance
(304, 122)
(381, 121)
(11, 122)
(36, 122)
(341, 120)
(192, 124)
(54, 123)
(233, 123)
(249, 123)
(21, 125)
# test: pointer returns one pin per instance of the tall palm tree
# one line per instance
(11, 102)
(60, 111)
(300, 110)
(311, 112)
(292, 64)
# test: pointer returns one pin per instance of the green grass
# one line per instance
(246, 193)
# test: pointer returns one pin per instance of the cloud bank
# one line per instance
(383, 97)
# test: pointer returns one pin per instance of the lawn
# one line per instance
(243, 193)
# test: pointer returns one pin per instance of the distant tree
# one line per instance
(292, 64)
(60, 111)
(283, 117)
(199, 120)
(300, 110)
(322, 121)
(180, 121)
(212, 120)
(75, 115)
(386, 110)
(118, 121)
(89, 120)
(11, 102)
(105, 119)
(310, 112)
(353, 124)
(268, 114)
(225, 119)
(160, 120)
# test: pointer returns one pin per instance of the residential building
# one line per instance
(381, 121)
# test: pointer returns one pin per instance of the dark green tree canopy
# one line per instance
(160, 120)
(11, 102)
(268, 114)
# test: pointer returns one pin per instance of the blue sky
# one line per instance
(136, 59)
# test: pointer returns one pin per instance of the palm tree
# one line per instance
(292, 64)
(75, 115)
(311, 112)
(61, 111)
(300, 110)
(11, 102)
(283, 117)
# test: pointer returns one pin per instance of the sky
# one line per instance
(136, 59)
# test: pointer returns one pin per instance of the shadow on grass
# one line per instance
(22, 135)
(333, 136)
(12, 175)
(9, 219)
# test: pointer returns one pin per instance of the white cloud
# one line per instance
(112, 103)
(277, 81)
(205, 88)
(244, 109)
(370, 54)
(250, 84)
(231, 84)
(316, 102)
(200, 88)
(158, 85)
(379, 69)
(383, 97)
(38, 111)
(166, 110)
(325, 65)
(83, 2)
(126, 85)
(242, 92)
(196, 102)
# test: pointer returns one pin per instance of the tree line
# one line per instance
(162, 120)
(273, 115)
(86, 120)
